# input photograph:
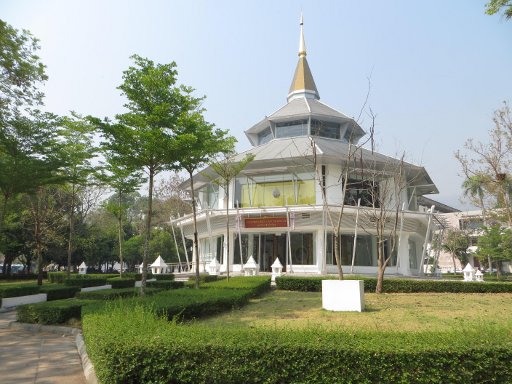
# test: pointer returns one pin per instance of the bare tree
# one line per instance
(490, 163)
(385, 185)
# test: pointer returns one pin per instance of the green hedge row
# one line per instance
(118, 282)
(58, 292)
(22, 276)
(314, 284)
(165, 276)
(85, 282)
(205, 278)
(111, 294)
(165, 284)
(127, 338)
(18, 290)
(183, 303)
(51, 312)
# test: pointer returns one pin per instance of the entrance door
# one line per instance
(272, 246)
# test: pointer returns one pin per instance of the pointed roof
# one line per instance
(159, 262)
(303, 84)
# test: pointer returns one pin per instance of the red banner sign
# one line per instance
(266, 222)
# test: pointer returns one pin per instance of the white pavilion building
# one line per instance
(279, 203)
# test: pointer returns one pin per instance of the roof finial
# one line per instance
(302, 43)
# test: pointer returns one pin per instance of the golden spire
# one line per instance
(303, 84)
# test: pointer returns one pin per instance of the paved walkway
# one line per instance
(42, 356)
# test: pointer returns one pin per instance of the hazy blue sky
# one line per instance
(438, 68)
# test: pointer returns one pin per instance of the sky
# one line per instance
(433, 71)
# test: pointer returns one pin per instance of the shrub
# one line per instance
(111, 294)
(13, 290)
(118, 282)
(165, 284)
(257, 284)
(85, 282)
(126, 338)
(22, 276)
(314, 284)
(58, 292)
(51, 312)
(205, 278)
(57, 277)
(165, 276)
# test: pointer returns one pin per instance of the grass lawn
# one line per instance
(409, 312)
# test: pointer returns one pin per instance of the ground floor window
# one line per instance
(265, 248)
(213, 248)
(250, 247)
(366, 250)
(413, 257)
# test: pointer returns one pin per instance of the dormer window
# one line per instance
(292, 128)
(325, 129)
(264, 136)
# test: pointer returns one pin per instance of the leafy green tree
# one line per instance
(45, 216)
(496, 243)
(21, 71)
(495, 6)
(225, 170)
(29, 155)
(133, 251)
(123, 181)
(162, 244)
(198, 142)
(144, 137)
(456, 242)
(78, 151)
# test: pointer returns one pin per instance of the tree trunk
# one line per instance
(381, 267)
(120, 235)
(227, 232)
(454, 265)
(194, 215)
(336, 240)
(498, 269)
(147, 234)
(71, 230)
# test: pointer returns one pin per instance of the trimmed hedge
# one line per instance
(127, 338)
(314, 284)
(22, 276)
(165, 276)
(85, 282)
(57, 277)
(111, 294)
(58, 292)
(52, 312)
(18, 290)
(165, 284)
(205, 278)
(118, 282)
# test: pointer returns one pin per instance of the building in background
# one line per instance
(280, 203)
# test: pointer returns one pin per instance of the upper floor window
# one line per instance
(264, 136)
(325, 129)
(292, 128)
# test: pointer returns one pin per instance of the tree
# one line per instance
(198, 142)
(456, 242)
(144, 138)
(21, 71)
(385, 184)
(495, 6)
(489, 164)
(123, 181)
(225, 170)
(496, 243)
(474, 187)
(77, 151)
(46, 217)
